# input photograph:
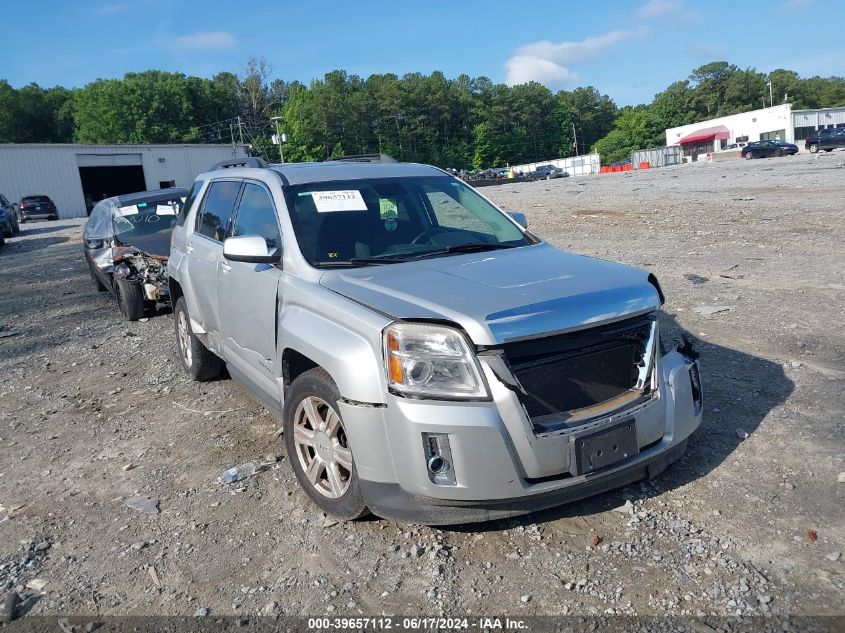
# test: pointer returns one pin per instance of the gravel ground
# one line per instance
(95, 414)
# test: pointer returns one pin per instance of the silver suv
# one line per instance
(431, 359)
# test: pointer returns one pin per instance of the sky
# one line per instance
(629, 49)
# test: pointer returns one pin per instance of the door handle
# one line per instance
(189, 248)
(226, 268)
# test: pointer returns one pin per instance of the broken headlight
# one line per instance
(431, 360)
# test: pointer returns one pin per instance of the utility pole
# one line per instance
(279, 137)
(240, 130)
(771, 102)
(575, 138)
(232, 136)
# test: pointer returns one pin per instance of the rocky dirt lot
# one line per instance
(95, 413)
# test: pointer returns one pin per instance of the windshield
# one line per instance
(146, 218)
(389, 220)
(35, 199)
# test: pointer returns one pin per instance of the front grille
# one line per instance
(580, 369)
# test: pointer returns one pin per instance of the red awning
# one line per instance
(720, 133)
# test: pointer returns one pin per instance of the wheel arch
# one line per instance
(308, 340)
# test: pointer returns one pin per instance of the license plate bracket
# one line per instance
(592, 450)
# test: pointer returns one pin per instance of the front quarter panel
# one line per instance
(341, 336)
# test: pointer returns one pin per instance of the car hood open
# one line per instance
(501, 296)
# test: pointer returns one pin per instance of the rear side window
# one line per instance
(189, 202)
(257, 216)
(216, 215)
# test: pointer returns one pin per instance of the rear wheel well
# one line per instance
(295, 364)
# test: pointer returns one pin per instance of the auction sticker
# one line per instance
(331, 201)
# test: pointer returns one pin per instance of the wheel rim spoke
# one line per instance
(303, 436)
(338, 486)
(315, 469)
(332, 423)
(311, 413)
(343, 456)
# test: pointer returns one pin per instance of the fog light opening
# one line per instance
(437, 465)
(438, 458)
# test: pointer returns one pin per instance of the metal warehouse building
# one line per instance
(779, 122)
(77, 176)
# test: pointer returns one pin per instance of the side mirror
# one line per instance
(519, 218)
(251, 249)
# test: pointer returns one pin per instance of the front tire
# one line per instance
(130, 299)
(749, 156)
(197, 360)
(814, 148)
(318, 448)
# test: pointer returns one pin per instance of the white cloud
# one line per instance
(205, 41)
(656, 8)
(548, 62)
(522, 69)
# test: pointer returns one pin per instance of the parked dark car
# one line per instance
(37, 208)
(127, 244)
(765, 149)
(547, 172)
(8, 218)
(825, 140)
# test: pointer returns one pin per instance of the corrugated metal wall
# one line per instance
(819, 119)
(53, 170)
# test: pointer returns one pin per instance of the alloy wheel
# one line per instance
(322, 448)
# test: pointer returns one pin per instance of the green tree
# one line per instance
(636, 128)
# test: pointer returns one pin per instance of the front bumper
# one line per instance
(502, 467)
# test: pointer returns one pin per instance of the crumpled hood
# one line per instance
(500, 296)
(155, 244)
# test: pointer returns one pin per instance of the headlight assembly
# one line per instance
(431, 360)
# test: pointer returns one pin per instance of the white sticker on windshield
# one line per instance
(165, 209)
(331, 201)
(132, 209)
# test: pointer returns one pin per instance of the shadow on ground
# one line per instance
(732, 401)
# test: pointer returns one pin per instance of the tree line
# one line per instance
(463, 122)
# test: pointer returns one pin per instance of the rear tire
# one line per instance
(749, 156)
(318, 448)
(197, 360)
(814, 148)
(130, 299)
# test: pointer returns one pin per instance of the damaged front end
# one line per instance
(149, 271)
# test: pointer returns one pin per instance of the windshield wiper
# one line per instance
(465, 248)
(370, 261)
(361, 261)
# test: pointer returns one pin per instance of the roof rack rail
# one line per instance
(244, 161)
(363, 158)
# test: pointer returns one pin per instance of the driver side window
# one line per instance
(257, 216)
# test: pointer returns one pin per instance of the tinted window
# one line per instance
(35, 199)
(257, 216)
(217, 209)
(189, 202)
